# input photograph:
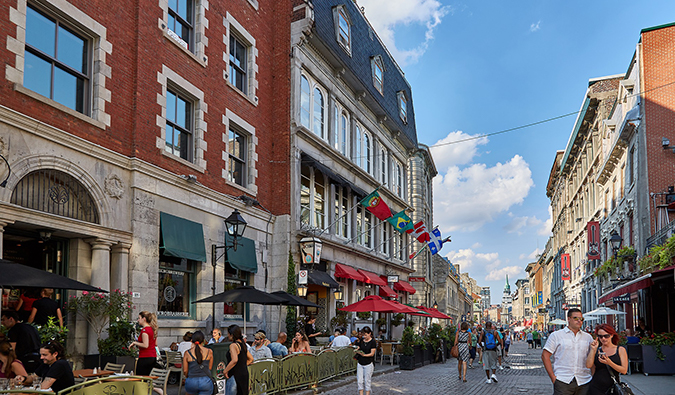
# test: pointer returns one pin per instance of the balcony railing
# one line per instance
(660, 236)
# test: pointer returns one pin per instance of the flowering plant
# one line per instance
(98, 307)
(658, 340)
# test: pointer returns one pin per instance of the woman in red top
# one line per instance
(147, 340)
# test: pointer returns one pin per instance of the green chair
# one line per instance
(114, 367)
(174, 363)
(162, 379)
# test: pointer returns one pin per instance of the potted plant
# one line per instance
(407, 360)
(381, 323)
(397, 319)
(435, 339)
(52, 331)
(658, 353)
(97, 309)
(115, 348)
(363, 315)
(339, 320)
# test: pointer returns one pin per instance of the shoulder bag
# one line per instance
(209, 375)
(619, 387)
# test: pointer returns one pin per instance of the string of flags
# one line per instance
(403, 223)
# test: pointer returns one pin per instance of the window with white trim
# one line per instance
(364, 149)
(313, 107)
(179, 124)
(343, 33)
(398, 179)
(341, 133)
(385, 233)
(364, 227)
(402, 106)
(241, 58)
(184, 23)
(312, 197)
(343, 218)
(399, 245)
(239, 152)
(181, 22)
(237, 146)
(377, 65)
(384, 165)
(238, 63)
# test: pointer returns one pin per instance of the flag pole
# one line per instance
(337, 220)
(392, 236)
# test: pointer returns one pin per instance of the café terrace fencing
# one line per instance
(114, 385)
(298, 370)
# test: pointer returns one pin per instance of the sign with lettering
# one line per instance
(392, 279)
(625, 298)
(416, 279)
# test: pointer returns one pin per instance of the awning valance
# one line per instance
(629, 287)
(244, 258)
(404, 286)
(345, 271)
(372, 278)
(328, 172)
(181, 238)
(387, 292)
(321, 278)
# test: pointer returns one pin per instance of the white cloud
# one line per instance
(532, 255)
(518, 223)
(476, 245)
(465, 199)
(385, 15)
(468, 258)
(535, 26)
(545, 229)
(446, 155)
(500, 274)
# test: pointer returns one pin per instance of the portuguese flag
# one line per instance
(376, 205)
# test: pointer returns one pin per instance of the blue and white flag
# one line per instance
(435, 242)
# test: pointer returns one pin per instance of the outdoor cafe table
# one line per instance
(89, 373)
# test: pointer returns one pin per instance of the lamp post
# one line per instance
(616, 241)
(234, 226)
(548, 312)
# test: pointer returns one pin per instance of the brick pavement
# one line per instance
(526, 375)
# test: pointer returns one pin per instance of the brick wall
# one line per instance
(139, 51)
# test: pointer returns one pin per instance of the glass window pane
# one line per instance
(68, 89)
(37, 75)
(174, 293)
(169, 138)
(170, 106)
(72, 50)
(304, 101)
(236, 171)
(184, 146)
(172, 22)
(40, 32)
(318, 113)
(173, 4)
(185, 10)
(182, 112)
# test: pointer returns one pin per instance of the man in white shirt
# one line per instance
(341, 340)
(569, 348)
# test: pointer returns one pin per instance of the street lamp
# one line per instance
(338, 293)
(615, 240)
(234, 226)
(435, 305)
(302, 290)
(548, 312)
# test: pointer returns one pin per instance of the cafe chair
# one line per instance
(114, 367)
(634, 352)
(161, 381)
(174, 363)
(387, 352)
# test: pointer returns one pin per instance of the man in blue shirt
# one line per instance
(278, 349)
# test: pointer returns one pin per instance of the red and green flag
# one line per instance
(400, 222)
(376, 205)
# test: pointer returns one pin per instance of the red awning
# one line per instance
(372, 278)
(345, 271)
(627, 288)
(404, 286)
(387, 292)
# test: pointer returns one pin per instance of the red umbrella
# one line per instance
(374, 303)
(405, 309)
(434, 313)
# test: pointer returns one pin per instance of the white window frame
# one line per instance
(311, 122)
(364, 149)
(364, 221)
(100, 48)
(231, 120)
(342, 133)
(383, 161)
(342, 203)
(198, 36)
(312, 193)
(339, 12)
(376, 62)
(169, 77)
(398, 181)
(233, 27)
(402, 106)
(385, 232)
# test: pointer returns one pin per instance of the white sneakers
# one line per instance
(494, 378)
(501, 367)
(488, 381)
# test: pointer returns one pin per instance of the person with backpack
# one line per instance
(491, 340)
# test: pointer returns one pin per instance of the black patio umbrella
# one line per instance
(244, 294)
(16, 275)
(294, 300)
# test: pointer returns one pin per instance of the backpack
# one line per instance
(490, 340)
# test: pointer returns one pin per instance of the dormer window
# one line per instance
(343, 27)
(378, 73)
(403, 106)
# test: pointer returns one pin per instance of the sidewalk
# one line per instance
(650, 385)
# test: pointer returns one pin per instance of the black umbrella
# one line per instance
(244, 294)
(16, 275)
(294, 300)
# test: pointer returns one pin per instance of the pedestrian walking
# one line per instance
(365, 355)
(472, 349)
(147, 342)
(490, 339)
(507, 344)
(462, 339)
(530, 340)
(608, 358)
(536, 338)
(236, 371)
(479, 345)
(569, 348)
(195, 362)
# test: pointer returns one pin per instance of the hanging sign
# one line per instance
(565, 267)
(625, 298)
(392, 278)
(302, 277)
(416, 279)
(593, 234)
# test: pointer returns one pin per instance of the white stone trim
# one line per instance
(251, 151)
(231, 25)
(100, 47)
(166, 77)
(200, 25)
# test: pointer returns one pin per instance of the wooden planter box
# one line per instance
(653, 365)
(419, 356)
(406, 362)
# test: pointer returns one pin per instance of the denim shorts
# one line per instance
(200, 385)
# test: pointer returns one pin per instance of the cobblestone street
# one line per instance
(525, 375)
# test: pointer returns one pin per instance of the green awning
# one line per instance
(181, 238)
(244, 258)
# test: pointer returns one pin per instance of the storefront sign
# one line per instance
(392, 279)
(625, 298)
(416, 279)
(566, 306)
(565, 267)
(310, 249)
(593, 233)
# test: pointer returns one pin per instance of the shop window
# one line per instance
(176, 287)
(312, 197)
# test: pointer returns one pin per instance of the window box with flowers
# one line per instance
(658, 353)
(109, 312)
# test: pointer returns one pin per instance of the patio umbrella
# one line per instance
(434, 313)
(376, 304)
(293, 300)
(244, 294)
(16, 275)
(558, 321)
(601, 311)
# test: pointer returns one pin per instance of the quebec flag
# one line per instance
(435, 242)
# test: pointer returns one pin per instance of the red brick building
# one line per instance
(132, 130)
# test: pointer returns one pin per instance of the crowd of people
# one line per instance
(489, 346)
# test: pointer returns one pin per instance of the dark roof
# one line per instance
(649, 29)
(365, 45)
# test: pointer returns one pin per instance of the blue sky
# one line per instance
(485, 66)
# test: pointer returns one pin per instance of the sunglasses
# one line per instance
(578, 318)
(604, 336)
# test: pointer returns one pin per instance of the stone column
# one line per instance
(100, 277)
(119, 265)
(2, 237)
